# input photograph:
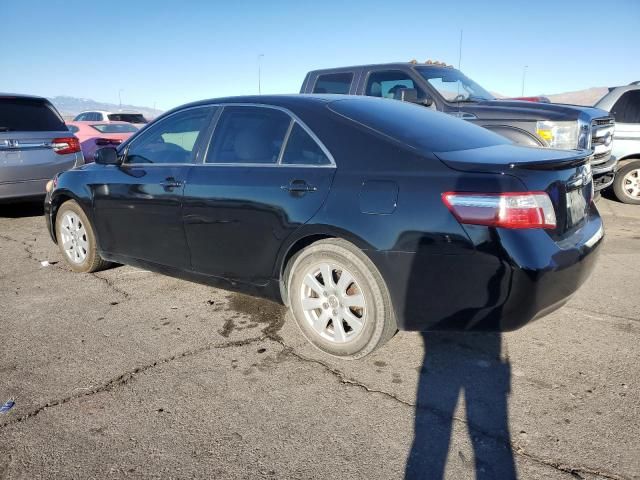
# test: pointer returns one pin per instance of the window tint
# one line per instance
(128, 117)
(301, 149)
(627, 108)
(171, 140)
(248, 135)
(386, 84)
(29, 115)
(334, 83)
(115, 128)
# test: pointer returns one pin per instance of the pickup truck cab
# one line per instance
(445, 89)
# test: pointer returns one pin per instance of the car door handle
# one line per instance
(298, 186)
(170, 183)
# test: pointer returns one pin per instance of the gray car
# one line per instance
(624, 105)
(35, 144)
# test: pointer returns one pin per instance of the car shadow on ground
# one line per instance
(33, 208)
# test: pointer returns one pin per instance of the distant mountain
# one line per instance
(69, 107)
(587, 97)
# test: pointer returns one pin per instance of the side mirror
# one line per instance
(106, 156)
(411, 95)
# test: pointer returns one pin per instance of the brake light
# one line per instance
(64, 145)
(505, 210)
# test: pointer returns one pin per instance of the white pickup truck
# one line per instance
(623, 103)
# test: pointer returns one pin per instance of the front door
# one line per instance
(138, 205)
(263, 177)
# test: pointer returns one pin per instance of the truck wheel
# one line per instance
(339, 299)
(77, 240)
(626, 184)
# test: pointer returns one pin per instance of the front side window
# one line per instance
(453, 85)
(627, 108)
(388, 84)
(172, 140)
(301, 149)
(248, 135)
(338, 83)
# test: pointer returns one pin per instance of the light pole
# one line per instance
(120, 97)
(259, 72)
(524, 74)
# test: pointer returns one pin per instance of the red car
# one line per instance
(95, 135)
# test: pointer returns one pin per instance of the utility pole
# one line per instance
(120, 97)
(460, 51)
(524, 75)
(259, 72)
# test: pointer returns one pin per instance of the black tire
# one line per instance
(377, 318)
(92, 262)
(619, 183)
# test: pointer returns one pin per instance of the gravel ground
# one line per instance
(127, 373)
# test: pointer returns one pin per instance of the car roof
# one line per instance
(380, 65)
(22, 95)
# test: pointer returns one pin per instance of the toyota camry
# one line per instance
(362, 215)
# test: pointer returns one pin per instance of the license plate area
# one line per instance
(576, 207)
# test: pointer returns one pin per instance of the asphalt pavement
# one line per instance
(130, 374)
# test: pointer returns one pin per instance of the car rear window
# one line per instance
(127, 117)
(417, 126)
(334, 83)
(115, 128)
(29, 115)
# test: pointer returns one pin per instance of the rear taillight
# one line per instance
(505, 210)
(64, 145)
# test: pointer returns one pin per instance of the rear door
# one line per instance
(264, 175)
(34, 141)
(138, 205)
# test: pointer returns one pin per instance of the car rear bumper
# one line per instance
(22, 189)
(515, 277)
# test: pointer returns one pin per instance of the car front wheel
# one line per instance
(339, 299)
(626, 184)
(77, 240)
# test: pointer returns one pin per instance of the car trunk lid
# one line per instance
(564, 175)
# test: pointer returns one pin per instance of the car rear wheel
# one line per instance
(339, 299)
(626, 184)
(77, 240)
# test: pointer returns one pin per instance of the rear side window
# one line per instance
(416, 126)
(627, 108)
(302, 149)
(339, 83)
(29, 115)
(387, 84)
(248, 135)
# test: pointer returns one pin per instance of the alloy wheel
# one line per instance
(73, 236)
(631, 184)
(333, 303)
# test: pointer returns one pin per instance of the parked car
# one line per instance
(35, 144)
(624, 105)
(343, 209)
(103, 116)
(95, 135)
(443, 88)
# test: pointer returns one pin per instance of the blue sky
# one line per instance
(167, 53)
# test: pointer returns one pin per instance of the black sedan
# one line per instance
(362, 215)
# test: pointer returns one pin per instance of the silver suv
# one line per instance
(624, 105)
(35, 144)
